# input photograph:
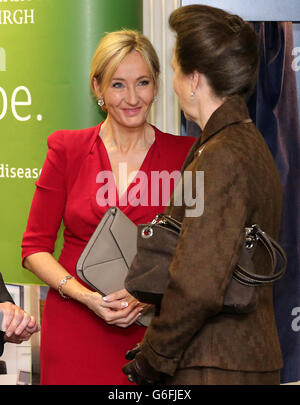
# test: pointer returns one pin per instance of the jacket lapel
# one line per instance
(233, 111)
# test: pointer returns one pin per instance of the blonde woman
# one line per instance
(84, 337)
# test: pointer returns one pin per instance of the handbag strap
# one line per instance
(255, 234)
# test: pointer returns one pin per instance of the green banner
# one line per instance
(46, 48)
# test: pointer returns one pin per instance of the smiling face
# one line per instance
(130, 93)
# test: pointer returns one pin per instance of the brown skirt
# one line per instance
(216, 376)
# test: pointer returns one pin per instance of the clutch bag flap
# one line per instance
(101, 264)
(107, 277)
(124, 231)
(101, 247)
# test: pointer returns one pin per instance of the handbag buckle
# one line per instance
(147, 232)
(251, 236)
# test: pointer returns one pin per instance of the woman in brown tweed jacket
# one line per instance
(193, 341)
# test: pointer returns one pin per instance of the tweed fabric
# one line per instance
(216, 376)
(241, 187)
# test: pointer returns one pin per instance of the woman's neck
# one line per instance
(206, 101)
(123, 138)
(207, 108)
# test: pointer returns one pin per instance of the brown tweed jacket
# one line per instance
(241, 187)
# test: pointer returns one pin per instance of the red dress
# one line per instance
(78, 347)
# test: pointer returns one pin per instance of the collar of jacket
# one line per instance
(232, 111)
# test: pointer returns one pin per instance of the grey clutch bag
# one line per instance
(105, 260)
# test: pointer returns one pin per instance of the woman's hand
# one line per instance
(17, 324)
(119, 308)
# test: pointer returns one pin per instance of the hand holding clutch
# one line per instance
(118, 310)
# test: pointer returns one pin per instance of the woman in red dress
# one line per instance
(84, 339)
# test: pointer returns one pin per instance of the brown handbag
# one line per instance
(148, 274)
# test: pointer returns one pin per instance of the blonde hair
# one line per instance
(113, 48)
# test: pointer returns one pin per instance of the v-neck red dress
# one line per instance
(78, 347)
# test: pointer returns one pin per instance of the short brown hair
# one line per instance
(220, 45)
(116, 45)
